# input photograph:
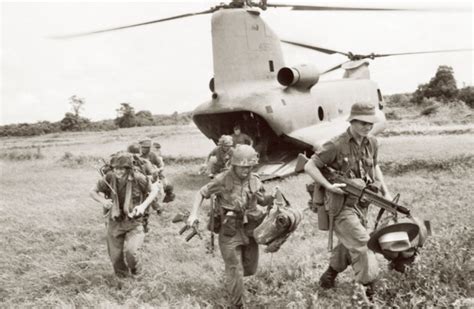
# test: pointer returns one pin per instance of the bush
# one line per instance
(402, 99)
(430, 110)
(71, 160)
(24, 155)
(442, 86)
(466, 94)
(439, 277)
(72, 122)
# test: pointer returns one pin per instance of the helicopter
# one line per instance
(286, 110)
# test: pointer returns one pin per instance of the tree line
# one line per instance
(74, 122)
(442, 88)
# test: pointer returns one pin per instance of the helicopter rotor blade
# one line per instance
(332, 8)
(135, 25)
(420, 52)
(316, 48)
(353, 56)
(340, 8)
(337, 67)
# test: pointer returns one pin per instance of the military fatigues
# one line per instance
(355, 161)
(124, 235)
(222, 159)
(241, 139)
(236, 201)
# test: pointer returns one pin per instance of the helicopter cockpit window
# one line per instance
(320, 113)
(270, 63)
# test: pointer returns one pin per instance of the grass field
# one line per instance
(53, 251)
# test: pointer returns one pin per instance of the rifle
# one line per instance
(366, 192)
(183, 217)
(211, 225)
(106, 212)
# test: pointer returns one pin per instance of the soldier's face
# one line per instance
(242, 171)
(145, 150)
(361, 128)
(120, 172)
(236, 131)
(225, 148)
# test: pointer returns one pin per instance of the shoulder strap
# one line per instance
(228, 182)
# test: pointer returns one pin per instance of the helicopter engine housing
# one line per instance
(302, 76)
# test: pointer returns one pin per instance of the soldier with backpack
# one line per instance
(130, 194)
(353, 154)
(237, 191)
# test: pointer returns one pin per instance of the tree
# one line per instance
(144, 118)
(126, 116)
(77, 104)
(442, 86)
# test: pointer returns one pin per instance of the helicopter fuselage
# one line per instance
(247, 58)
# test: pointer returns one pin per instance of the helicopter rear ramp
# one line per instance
(278, 170)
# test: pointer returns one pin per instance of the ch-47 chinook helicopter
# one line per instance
(286, 110)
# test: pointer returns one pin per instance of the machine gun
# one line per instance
(183, 217)
(367, 193)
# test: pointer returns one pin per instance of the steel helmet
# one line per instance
(134, 148)
(226, 140)
(244, 155)
(123, 160)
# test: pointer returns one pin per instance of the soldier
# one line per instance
(219, 158)
(240, 138)
(237, 191)
(131, 193)
(157, 148)
(354, 153)
(157, 161)
(145, 167)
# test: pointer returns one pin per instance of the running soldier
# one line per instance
(157, 161)
(218, 159)
(130, 193)
(354, 153)
(237, 191)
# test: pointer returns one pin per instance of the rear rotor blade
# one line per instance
(316, 48)
(334, 68)
(135, 25)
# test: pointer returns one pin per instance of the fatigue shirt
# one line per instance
(234, 194)
(222, 157)
(154, 159)
(140, 188)
(242, 138)
(343, 154)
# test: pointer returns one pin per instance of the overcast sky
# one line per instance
(166, 67)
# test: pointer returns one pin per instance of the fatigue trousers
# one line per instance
(124, 239)
(350, 228)
(240, 254)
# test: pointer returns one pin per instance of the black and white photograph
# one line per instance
(236, 154)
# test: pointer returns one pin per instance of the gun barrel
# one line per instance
(372, 197)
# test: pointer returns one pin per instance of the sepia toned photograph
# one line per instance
(236, 154)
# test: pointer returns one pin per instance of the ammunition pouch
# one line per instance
(230, 225)
(214, 222)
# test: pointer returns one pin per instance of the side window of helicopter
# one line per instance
(320, 113)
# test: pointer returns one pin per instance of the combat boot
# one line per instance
(328, 278)
(370, 290)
